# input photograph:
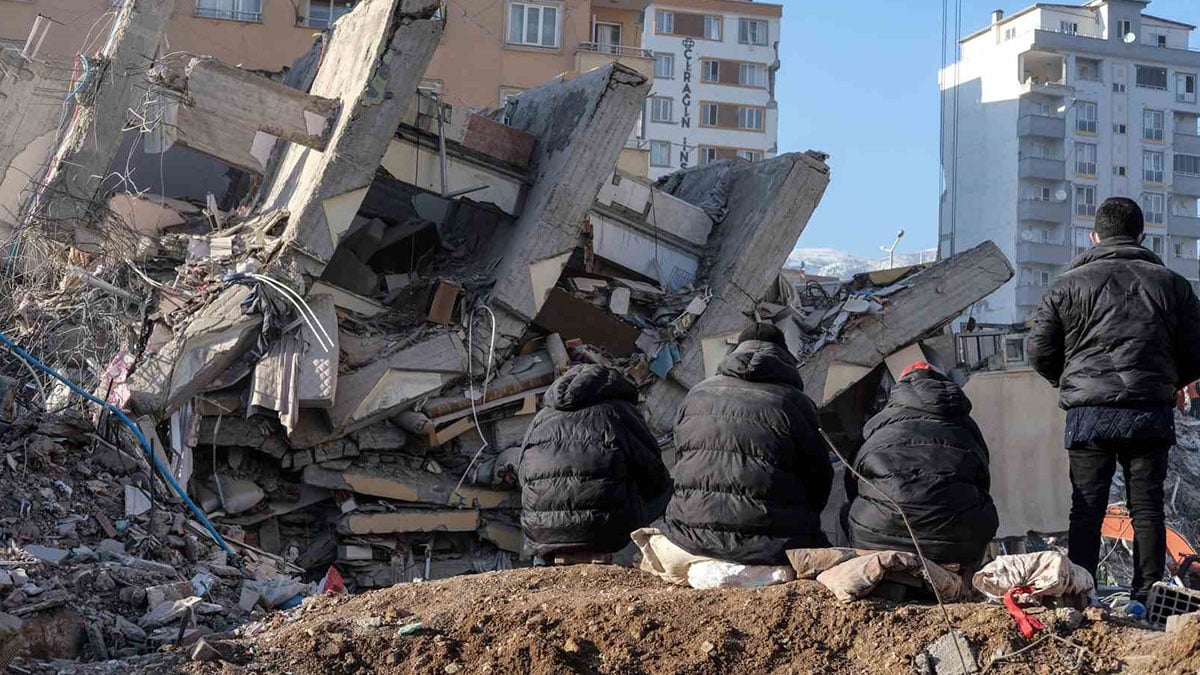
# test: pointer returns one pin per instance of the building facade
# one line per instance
(1050, 111)
(715, 64)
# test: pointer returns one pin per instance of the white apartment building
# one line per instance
(713, 95)
(1050, 111)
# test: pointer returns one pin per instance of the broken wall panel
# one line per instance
(932, 298)
(767, 205)
(374, 62)
(581, 126)
(27, 135)
(410, 520)
(409, 486)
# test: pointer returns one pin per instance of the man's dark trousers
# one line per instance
(1144, 464)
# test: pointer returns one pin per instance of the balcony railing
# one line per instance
(1044, 210)
(229, 15)
(1043, 253)
(1041, 125)
(616, 50)
(1179, 225)
(1186, 184)
(1188, 144)
(1042, 167)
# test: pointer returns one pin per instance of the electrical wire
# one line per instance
(163, 471)
(912, 535)
(301, 305)
(487, 379)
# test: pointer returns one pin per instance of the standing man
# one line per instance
(1118, 334)
(753, 474)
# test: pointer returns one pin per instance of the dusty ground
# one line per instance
(595, 619)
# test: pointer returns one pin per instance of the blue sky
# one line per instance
(859, 81)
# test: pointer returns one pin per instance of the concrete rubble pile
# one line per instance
(341, 369)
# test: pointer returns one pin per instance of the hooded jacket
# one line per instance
(925, 452)
(752, 475)
(589, 467)
(1117, 329)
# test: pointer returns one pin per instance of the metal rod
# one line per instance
(442, 142)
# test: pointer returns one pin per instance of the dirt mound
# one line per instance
(1180, 652)
(601, 619)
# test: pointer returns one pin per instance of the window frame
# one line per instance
(704, 67)
(1087, 123)
(1152, 133)
(1137, 77)
(237, 12)
(671, 57)
(660, 145)
(1158, 217)
(526, 6)
(750, 155)
(719, 22)
(743, 28)
(1150, 174)
(705, 106)
(1085, 208)
(704, 150)
(507, 94)
(759, 113)
(1180, 158)
(1095, 64)
(757, 67)
(1068, 27)
(664, 22)
(1184, 96)
(655, 102)
(326, 23)
(1083, 165)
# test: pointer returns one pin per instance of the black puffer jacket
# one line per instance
(925, 452)
(589, 467)
(752, 475)
(1117, 329)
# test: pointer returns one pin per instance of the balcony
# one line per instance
(1059, 89)
(1188, 267)
(1041, 125)
(1183, 226)
(1042, 168)
(1044, 210)
(1030, 296)
(1185, 184)
(589, 55)
(1188, 144)
(228, 15)
(1042, 253)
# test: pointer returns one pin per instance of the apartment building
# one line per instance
(715, 63)
(1053, 109)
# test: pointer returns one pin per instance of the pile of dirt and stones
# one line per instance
(98, 561)
(607, 619)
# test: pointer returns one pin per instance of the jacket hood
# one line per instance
(1116, 248)
(758, 361)
(587, 385)
(931, 393)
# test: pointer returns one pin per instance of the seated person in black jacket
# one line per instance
(590, 468)
(925, 452)
(752, 475)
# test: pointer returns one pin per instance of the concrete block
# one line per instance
(496, 140)
(410, 520)
(408, 485)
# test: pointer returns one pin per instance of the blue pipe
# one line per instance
(162, 469)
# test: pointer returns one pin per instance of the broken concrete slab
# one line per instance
(69, 206)
(933, 298)
(497, 140)
(395, 482)
(573, 318)
(767, 206)
(410, 520)
(168, 611)
(372, 64)
(27, 136)
(581, 126)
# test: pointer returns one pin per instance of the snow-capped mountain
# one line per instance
(830, 262)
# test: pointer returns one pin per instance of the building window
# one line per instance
(752, 32)
(1041, 193)
(708, 155)
(1152, 125)
(664, 65)
(1124, 27)
(1087, 69)
(710, 71)
(712, 27)
(1118, 88)
(660, 109)
(752, 75)
(660, 153)
(750, 118)
(664, 22)
(1010, 33)
(750, 155)
(1160, 40)
(1154, 242)
(708, 114)
(1085, 200)
(323, 13)
(1118, 171)
(1069, 27)
(507, 95)
(1085, 159)
(1154, 206)
(1118, 128)
(1149, 77)
(1085, 117)
(233, 10)
(532, 25)
(1152, 167)
(1187, 164)
(1185, 88)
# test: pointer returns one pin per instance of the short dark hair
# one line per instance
(765, 332)
(1119, 217)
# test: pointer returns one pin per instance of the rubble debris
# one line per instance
(952, 654)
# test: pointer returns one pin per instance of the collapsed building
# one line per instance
(340, 369)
